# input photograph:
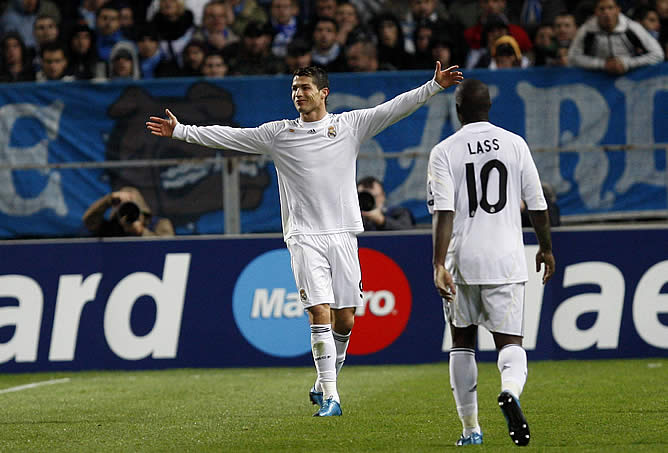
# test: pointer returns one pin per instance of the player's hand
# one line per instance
(548, 259)
(444, 283)
(162, 127)
(447, 77)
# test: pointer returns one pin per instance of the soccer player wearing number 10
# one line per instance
(315, 158)
(476, 179)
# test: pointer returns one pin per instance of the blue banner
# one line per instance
(550, 107)
(131, 304)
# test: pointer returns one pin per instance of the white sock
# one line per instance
(341, 342)
(464, 383)
(512, 364)
(324, 356)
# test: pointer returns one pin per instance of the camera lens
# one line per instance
(129, 211)
(367, 202)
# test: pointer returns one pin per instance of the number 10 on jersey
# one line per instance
(484, 180)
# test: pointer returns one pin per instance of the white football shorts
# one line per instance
(326, 269)
(498, 308)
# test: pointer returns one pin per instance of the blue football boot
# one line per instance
(472, 439)
(315, 397)
(330, 408)
(518, 428)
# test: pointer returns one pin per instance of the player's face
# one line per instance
(306, 96)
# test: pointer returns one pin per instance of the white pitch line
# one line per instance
(18, 388)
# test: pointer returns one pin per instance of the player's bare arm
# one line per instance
(442, 232)
(447, 77)
(541, 225)
(162, 127)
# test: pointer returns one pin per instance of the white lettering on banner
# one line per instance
(607, 305)
(380, 303)
(26, 318)
(168, 294)
(277, 305)
(73, 294)
(648, 303)
(11, 202)
(543, 107)
(640, 96)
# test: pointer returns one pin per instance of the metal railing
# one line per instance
(229, 166)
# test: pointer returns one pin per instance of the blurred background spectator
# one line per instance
(20, 15)
(15, 64)
(377, 216)
(214, 65)
(216, 30)
(252, 55)
(124, 62)
(327, 52)
(84, 64)
(298, 55)
(285, 21)
(54, 63)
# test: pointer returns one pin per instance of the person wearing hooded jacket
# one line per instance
(611, 42)
(124, 61)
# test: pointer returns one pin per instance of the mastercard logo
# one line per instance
(268, 311)
(387, 304)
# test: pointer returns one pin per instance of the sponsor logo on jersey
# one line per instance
(311, 131)
(331, 132)
(269, 312)
(386, 305)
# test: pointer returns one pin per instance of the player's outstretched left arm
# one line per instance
(447, 77)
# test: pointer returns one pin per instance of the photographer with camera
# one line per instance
(129, 216)
(374, 213)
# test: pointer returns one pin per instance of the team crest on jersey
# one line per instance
(331, 132)
(302, 294)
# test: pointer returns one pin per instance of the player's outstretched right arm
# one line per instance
(162, 127)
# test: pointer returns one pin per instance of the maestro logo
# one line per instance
(269, 313)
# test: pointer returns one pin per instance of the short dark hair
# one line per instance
(53, 46)
(368, 182)
(316, 73)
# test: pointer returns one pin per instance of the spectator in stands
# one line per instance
(284, 19)
(415, 12)
(377, 216)
(87, 11)
(565, 28)
(45, 30)
(506, 54)
(495, 27)
(151, 59)
(252, 56)
(422, 58)
(54, 63)
(126, 19)
(533, 13)
(215, 30)
(129, 215)
(390, 40)
(20, 17)
(124, 62)
(175, 26)
(362, 56)
(15, 65)
(327, 52)
(545, 46)
(108, 30)
(612, 42)
(214, 65)
(242, 12)
(84, 64)
(440, 48)
(325, 8)
(495, 8)
(196, 7)
(298, 55)
(347, 19)
(648, 18)
(193, 58)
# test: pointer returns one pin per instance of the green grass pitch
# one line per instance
(603, 405)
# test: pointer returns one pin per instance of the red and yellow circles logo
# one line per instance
(387, 304)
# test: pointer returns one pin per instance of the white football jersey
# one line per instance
(482, 172)
(315, 161)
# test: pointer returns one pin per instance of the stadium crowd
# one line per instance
(141, 39)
